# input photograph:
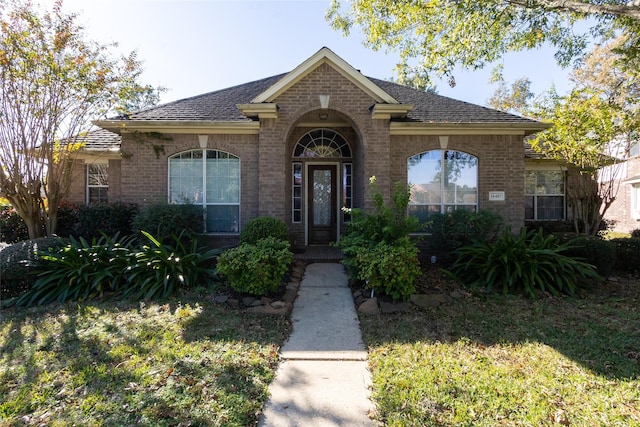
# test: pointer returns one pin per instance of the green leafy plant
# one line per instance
(160, 269)
(627, 254)
(110, 219)
(526, 262)
(376, 247)
(450, 231)
(263, 227)
(390, 268)
(17, 262)
(12, 226)
(164, 221)
(594, 250)
(258, 268)
(80, 270)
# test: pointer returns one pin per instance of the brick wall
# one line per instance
(500, 167)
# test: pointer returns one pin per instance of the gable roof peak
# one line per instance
(325, 56)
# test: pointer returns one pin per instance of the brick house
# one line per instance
(302, 145)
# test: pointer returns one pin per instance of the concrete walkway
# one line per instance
(323, 380)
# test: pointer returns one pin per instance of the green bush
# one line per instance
(160, 269)
(635, 233)
(594, 250)
(450, 231)
(101, 218)
(164, 221)
(258, 268)
(17, 263)
(12, 226)
(527, 262)
(390, 269)
(369, 235)
(627, 254)
(263, 227)
(79, 271)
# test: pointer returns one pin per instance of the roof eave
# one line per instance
(470, 128)
(180, 126)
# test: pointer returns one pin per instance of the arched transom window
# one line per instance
(211, 179)
(442, 181)
(323, 143)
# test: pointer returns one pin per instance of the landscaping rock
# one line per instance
(393, 307)
(290, 295)
(266, 300)
(247, 301)
(269, 310)
(220, 299)
(278, 304)
(429, 300)
(233, 302)
(256, 303)
(369, 307)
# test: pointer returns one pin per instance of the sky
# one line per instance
(192, 47)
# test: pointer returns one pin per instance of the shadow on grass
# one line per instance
(184, 362)
(600, 329)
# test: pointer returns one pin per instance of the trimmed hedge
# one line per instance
(263, 227)
(627, 254)
(165, 221)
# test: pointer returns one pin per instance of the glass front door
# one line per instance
(322, 193)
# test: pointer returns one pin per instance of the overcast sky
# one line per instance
(197, 46)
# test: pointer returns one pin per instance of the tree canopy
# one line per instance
(432, 37)
(53, 83)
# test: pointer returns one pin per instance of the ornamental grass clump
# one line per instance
(528, 262)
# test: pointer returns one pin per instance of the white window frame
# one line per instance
(204, 203)
(98, 186)
(444, 206)
(536, 196)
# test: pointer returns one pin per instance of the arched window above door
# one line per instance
(322, 143)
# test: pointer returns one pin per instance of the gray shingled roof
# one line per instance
(100, 140)
(427, 107)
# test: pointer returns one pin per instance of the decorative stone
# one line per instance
(266, 300)
(293, 285)
(233, 302)
(269, 310)
(290, 295)
(278, 304)
(357, 293)
(394, 307)
(247, 301)
(428, 300)
(256, 303)
(369, 307)
(220, 299)
(459, 294)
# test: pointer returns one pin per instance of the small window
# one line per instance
(322, 143)
(544, 195)
(209, 178)
(442, 181)
(97, 183)
(296, 196)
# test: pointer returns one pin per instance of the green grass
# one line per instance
(186, 361)
(492, 360)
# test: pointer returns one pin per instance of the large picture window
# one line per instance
(544, 195)
(210, 178)
(442, 181)
(97, 183)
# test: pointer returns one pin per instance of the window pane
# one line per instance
(223, 180)
(185, 180)
(530, 181)
(223, 218)
(423, 174)
(550, 182)
(98, 195)
(529, 210)
(550, 207)
(423, 212)
(98, 174)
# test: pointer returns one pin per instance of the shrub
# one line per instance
(12, 226)
(370, 235)
(67, 219)
(527, 262)
(263, 227)
(17, 263)
(258, 268)
(109, 219)
(84, 270)
(390, 269)
(459, 228)
(595, 251)
(164, 221)
(79, 271)
(160, 269)
(635, 233)
(627, 254)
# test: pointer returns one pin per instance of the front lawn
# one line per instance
(489, 360)
(186, 361)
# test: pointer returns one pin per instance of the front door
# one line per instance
(322, 193)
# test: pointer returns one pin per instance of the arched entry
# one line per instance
(322, 184)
